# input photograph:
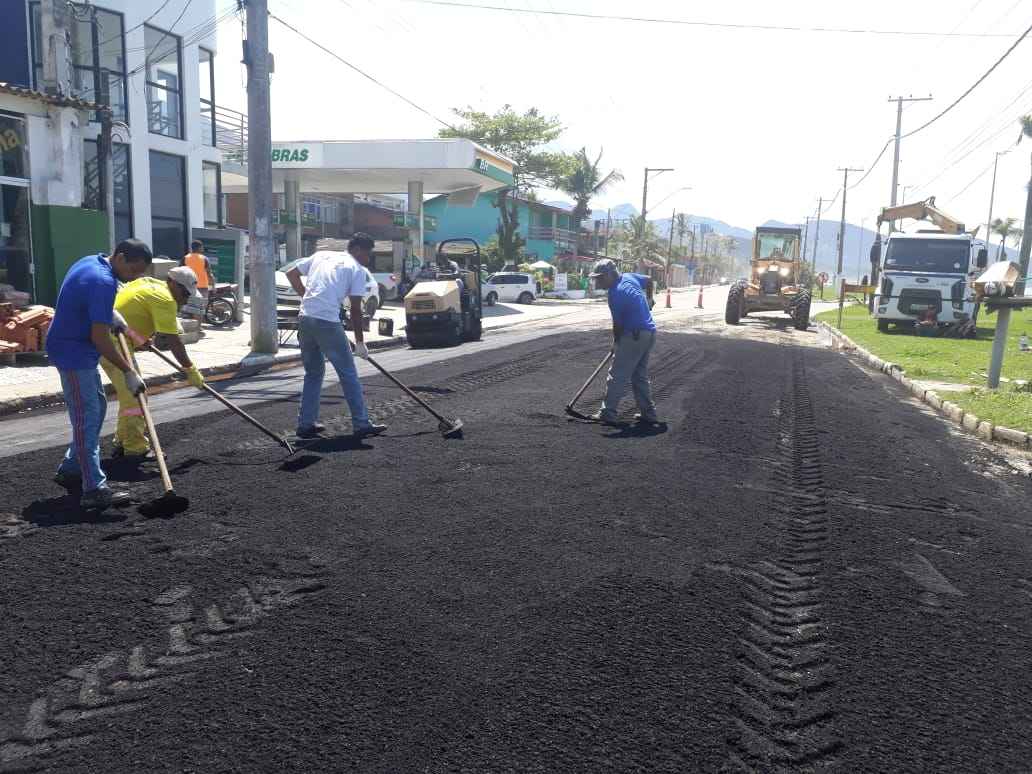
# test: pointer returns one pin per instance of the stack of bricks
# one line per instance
(24, 330)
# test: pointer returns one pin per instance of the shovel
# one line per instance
(450, 428)
(235, 409)
(569, 406)
(169, 504)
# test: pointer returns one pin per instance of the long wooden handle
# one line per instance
(408, 392)
(142, 398)
(590, 379)
(232, 407)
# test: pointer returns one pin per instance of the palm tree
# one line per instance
(1003, 229)
(583, 179)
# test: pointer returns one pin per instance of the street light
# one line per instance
(992, 195)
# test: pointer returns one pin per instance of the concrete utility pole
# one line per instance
(860, 252)
(806, 237)
(1026, 242)
(992, 197)
(899, 131)
(842, 226)
(817, 236)
(54, 25)
(264, 340)
(645, 191)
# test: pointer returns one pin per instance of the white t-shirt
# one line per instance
(330, 277)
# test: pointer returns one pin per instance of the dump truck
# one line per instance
(927, 274)
(775, 279)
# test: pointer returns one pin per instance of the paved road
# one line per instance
(801, 571)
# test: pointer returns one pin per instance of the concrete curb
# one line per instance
(954, 413)
(50, 399)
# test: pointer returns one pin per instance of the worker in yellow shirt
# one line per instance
(198, 261)
(143, 308)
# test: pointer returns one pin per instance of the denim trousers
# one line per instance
(87, 404)
(323, 340)
(631, 366)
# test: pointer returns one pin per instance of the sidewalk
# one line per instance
(33, 383)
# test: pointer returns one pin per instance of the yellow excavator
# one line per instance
(923, 210)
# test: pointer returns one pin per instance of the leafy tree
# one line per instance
(1003, 228)
(683, 226)
(583, 179)
(521, 137)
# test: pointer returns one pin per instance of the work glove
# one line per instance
(134, 383)
(362, 350)
(193, 375)
(118, 323)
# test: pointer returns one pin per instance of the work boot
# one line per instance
(313, 430)
(605, 418)
(369, 431)
(69, 481)
(99, 499)
(119, 453)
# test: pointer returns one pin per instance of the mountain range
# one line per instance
(855, 252)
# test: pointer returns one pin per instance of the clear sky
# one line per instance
(755, 121)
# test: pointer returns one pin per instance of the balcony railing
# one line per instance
(550, 234)
(230, 132)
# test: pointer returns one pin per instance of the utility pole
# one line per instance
(817, 236)
(992, 196)
(264, 340)
(899, 131)
(842, 226)
(806, 235)
(645, 191)
(1026, 242)
(860, 250)
(609, 226)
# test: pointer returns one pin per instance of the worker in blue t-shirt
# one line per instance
(634, 335)
(80, 333)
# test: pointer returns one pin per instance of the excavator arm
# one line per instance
(925, 210)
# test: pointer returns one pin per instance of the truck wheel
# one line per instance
(733, 309)
(883, 326)
(801, 313)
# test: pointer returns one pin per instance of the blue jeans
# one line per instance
(323, 340)
(87, 405)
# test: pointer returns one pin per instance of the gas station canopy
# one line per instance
(443, 166)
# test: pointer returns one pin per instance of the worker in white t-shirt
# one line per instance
(330, 278)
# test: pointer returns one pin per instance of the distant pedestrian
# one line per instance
(79, 335)
(198, 261)
(634, 335)
(330, 278)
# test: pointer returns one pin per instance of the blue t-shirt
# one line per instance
(629, 305)
(87, 296)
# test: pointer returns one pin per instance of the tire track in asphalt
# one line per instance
(79, 706)
(783, 707)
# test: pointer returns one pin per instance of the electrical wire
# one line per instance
(200, 32)
(136, 27)
(973, 86)
(873, 164)
(721, 25)
(974, 180)
(361, 72)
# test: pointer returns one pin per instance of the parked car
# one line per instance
(285, 295)
(510, 286)
(386, 285)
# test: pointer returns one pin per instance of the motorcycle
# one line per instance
(222, 305)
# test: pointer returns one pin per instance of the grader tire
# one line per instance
(735, 300)
(801, 311)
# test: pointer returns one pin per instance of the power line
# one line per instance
(133, 29)
(721, 25)
(873, 164)
(972, 87)
(974, 180)
(361, 72)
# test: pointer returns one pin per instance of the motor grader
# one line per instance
(775, 279)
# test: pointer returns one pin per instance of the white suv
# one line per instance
(507, 286)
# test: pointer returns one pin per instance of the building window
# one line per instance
(97, 40)
(123, 186)
(168, 204)
(212, 177)
(164, 86)
(207, 92)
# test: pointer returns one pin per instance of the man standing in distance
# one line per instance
(634, 335)
(330, 278)
(79, 335)
(198, 261)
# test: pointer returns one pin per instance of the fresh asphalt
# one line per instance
(801, 570)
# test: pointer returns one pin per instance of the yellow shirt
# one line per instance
(199, 264)
(148, 307)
